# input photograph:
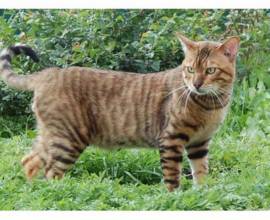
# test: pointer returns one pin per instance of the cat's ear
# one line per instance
(186, 43)
(230, 47)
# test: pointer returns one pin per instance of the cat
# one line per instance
(174, 110)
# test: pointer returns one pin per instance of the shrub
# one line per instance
(130, 40)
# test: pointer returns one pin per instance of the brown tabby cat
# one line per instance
(172, 110)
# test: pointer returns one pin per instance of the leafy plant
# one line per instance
(130, 40)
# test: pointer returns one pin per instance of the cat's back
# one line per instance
(59, 77)
(106, 85)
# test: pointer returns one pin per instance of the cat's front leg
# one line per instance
(198, 159)
(171, 155)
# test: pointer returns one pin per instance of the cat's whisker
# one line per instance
(179, 101)
(171, 92)
(188, 95)
(220, 99)
(184, 97)
(212, 99)
(175, 90)
(180, 97)
(215, 94)
(223, 91)
(166, 93)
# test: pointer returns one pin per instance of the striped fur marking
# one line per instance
(20, 48)
(172, 182)
(209, 103)
(166, 167)
(64, 148)
(181, 136)
(64, 160)
(187, 124)
(173, 149)
(202, 56)
(176, 159)
(198, 145)
(199, 154)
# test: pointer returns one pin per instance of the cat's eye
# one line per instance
(211, 70)
(190, 69)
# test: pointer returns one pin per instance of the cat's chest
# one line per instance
(196, 126)
(205, 132)
(209, 125)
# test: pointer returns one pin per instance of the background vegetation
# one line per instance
(139, 41)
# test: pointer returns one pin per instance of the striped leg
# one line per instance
(171, 156)
(62, 155)
(198, 159)
(171, 159)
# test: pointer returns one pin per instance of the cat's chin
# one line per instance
(200, 92)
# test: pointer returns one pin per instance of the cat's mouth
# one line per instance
(200, 91)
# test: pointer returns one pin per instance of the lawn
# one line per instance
(130, 179)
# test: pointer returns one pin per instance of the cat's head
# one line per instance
(209, 66)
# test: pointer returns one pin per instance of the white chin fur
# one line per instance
(202, 92)
(198, 92)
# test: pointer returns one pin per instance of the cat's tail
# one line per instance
(22, 82)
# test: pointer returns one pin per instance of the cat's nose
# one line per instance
(198, 83)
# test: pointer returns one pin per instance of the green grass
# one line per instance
(130, 179)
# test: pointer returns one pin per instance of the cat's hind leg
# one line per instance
(36, 159)
(63, 153)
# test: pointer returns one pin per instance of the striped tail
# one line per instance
(17, 81)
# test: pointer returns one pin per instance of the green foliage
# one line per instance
(11, 126)
(130, 40)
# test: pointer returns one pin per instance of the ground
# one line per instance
(130, 179)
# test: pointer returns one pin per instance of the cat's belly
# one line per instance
(122, 141)
(123, 144)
